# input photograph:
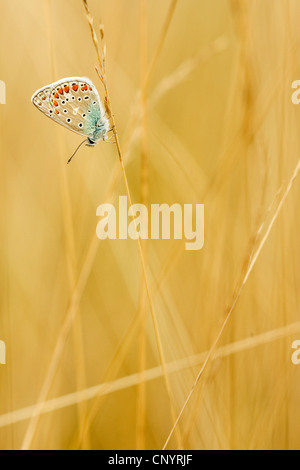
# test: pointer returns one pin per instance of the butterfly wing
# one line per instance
(74, 103)
(41, 99)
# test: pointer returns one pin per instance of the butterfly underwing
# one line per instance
(74, 103)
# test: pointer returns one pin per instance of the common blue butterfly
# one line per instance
(74, 103)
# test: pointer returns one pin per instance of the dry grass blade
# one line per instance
(185, 69)
(102, 76)
(161, 42)
(70, 315)
(107, 388)
(204, 115)
(249, 266)
(100, 55)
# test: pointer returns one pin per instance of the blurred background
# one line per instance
(201, 94)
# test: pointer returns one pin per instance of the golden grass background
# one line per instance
(201, 94)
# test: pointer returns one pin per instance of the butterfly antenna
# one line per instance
(86, 140)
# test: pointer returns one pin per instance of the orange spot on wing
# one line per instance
(55, 103)
(60, 91)
(56, 111)
(56, 95)
(90, 88)
(75, 87)
(84, 88)
(44, 97)
(67, 89)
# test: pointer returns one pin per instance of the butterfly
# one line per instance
(75, 103)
